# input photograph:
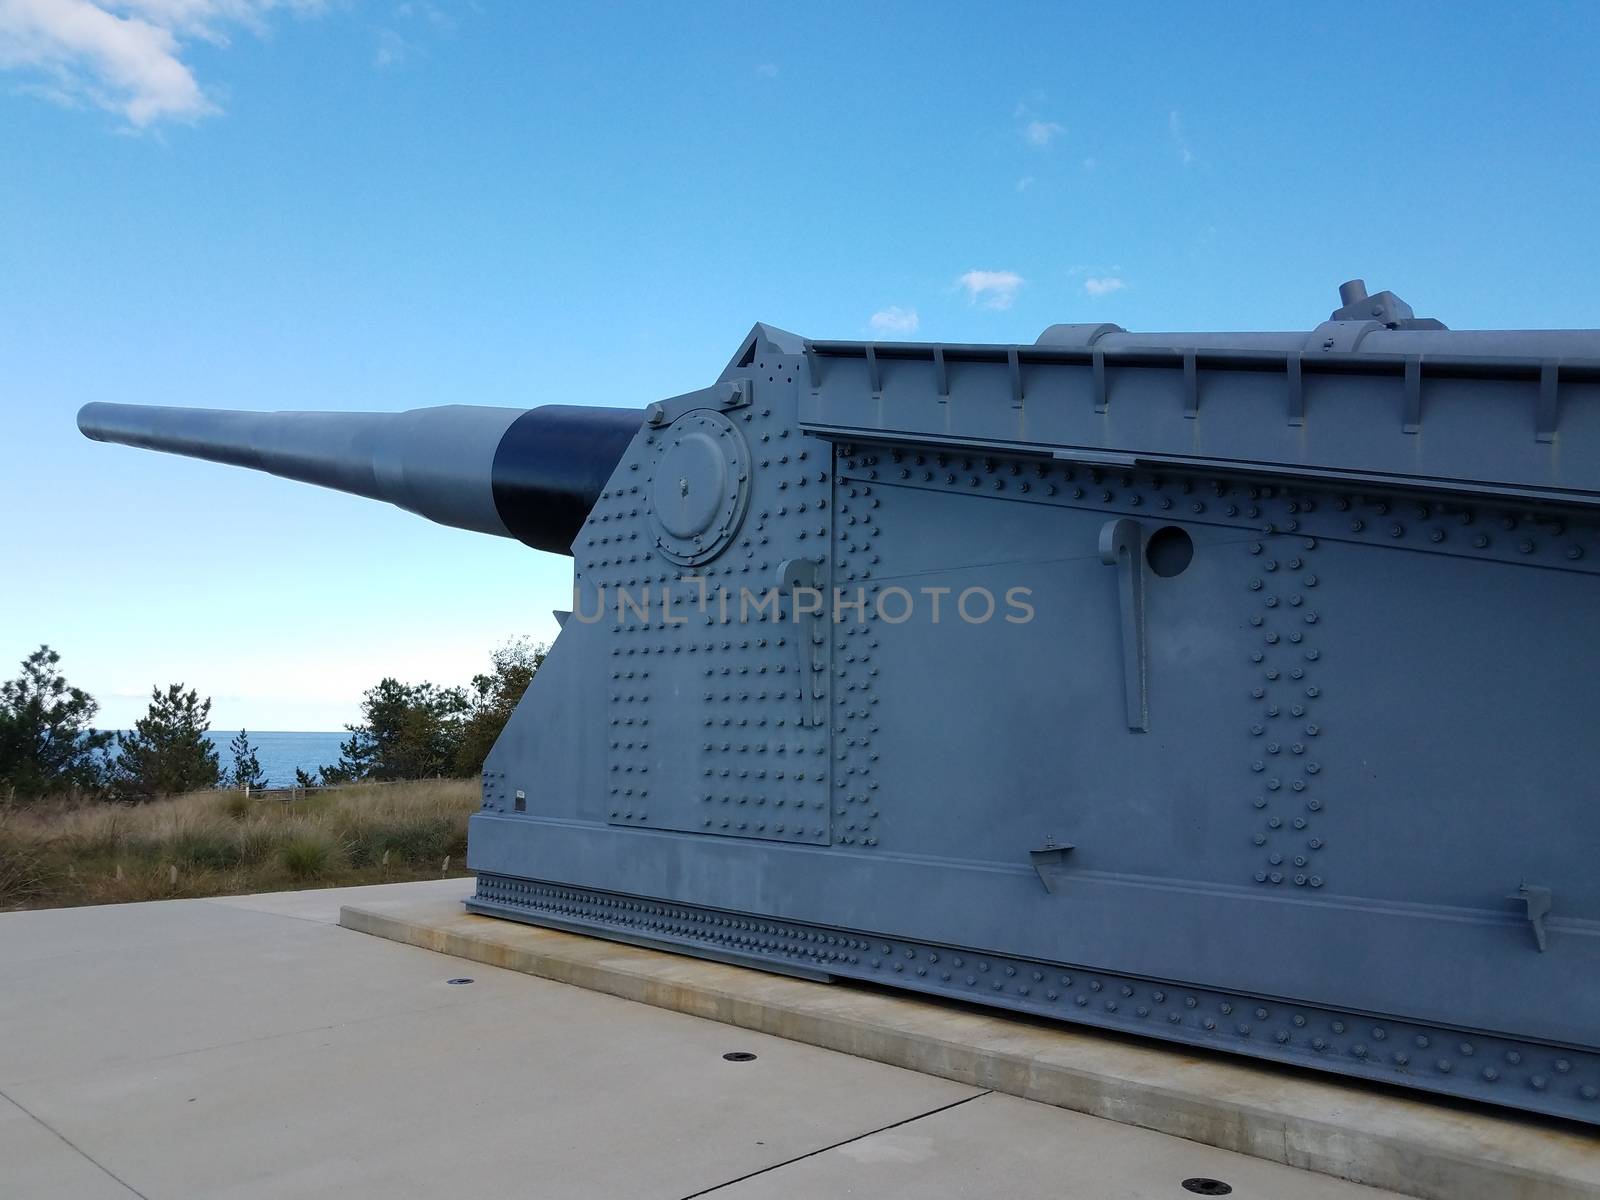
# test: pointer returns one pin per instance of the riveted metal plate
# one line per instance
(1485, 1066)
(713, 683)
(857, 799)
(1291, 788)
(1296, 565)
(707, 733)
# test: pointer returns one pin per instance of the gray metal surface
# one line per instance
(435, 462)
(1234, 689)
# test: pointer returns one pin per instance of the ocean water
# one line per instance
(280, 753)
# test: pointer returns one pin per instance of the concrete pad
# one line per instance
(577, 1094)
(140, 981)
(239, 1053)
(34, 1161)
(323, 904)
(1362, 1134)
(1000, 1146)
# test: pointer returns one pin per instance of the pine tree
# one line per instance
(247, 774)
(420, 736)
(492, 699)
(46, 742)
(168, 751)
(357, 755)
(304, 780)
(410, 731)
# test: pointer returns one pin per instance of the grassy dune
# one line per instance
(222, 844)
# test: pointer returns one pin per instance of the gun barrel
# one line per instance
(532, 475)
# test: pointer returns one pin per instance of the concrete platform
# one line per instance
(249, 1047)
(1366, 1135)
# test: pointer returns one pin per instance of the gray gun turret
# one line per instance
(1235, 689)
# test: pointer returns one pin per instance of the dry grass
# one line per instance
(221, 844)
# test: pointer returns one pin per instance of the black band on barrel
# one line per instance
(551, 467)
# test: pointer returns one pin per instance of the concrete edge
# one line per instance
(1365, 1136)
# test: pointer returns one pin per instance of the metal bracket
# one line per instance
(1339, 337)
(1081, 454)
(1411, 422)
(1191, 385)
(1297, 388)
(729, 394)
(1122, 546)
(1536, 906)
(795, 574)
(1383, 307)
(1076, 337)
(1050, 863)
(1548, 414)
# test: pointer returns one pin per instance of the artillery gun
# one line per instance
(1233, 689)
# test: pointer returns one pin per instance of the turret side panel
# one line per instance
(1157, 764)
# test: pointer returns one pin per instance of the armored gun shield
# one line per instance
(1231, 689)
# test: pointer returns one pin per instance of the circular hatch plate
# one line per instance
(699, 486)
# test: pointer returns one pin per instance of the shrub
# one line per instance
(415, 840)
(311, 804)
(238, 806)
(256, 839)
(307, 854)
(61, 851)
(24, 875)
(91, 831)
(216, 849)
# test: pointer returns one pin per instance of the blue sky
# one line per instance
(351, 205)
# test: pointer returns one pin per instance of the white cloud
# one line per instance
(1041, 133)
(208, 19)
(392, 49)
(992, 289)
(1024, 183)
(1035, 130)
(125, 56)
(418, 18)
(429, 12)
(1103, 285)
(1175, 128)
(895, 319)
